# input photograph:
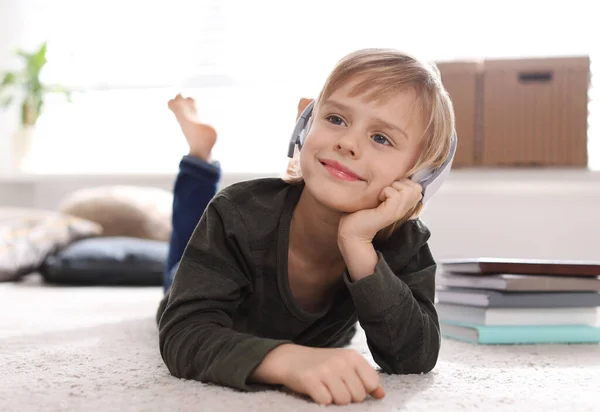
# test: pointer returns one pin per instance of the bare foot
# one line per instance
(201, 137)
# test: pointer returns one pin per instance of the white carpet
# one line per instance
(95, 349)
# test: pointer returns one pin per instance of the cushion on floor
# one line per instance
(130, 211)
(28, 236)
(108, 261)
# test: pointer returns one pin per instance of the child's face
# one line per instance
(377, 142)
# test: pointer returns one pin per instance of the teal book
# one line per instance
(512, 335)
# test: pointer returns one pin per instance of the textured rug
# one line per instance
(95, 349)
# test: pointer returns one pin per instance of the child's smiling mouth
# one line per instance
(339, 171)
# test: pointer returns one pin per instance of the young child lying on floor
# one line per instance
(270, 276)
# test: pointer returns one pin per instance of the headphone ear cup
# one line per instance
(421, 176)
(433, 180)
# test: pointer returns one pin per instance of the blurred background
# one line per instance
(521, 74)
(246, 63)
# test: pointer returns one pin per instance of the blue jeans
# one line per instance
(195, 186)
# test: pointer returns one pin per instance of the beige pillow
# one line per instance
(133, 211)
(28, 236)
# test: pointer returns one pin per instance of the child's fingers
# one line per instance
(387, 193)
(378, 393)
(339, 390)
(369, 377)
(408, 186)
(411, 191)
(355, 386)
(319, 393)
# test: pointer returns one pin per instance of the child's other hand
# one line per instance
(338, 376)
(396, 201)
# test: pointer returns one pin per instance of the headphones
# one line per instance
(429, 179)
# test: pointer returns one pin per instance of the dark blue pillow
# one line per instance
(108, 261)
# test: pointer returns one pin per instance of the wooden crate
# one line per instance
(462, 80)
(535, 112)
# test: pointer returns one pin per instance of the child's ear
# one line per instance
(302, 105)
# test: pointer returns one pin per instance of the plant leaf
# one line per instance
(34, 61)
(56, 88)
(6, 101)
(39, 58)
(23, 54)
(38, 109)
(9, 79)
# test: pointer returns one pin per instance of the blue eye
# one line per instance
(333, 119)
(380, 139)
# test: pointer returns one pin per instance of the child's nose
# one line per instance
(348, 145)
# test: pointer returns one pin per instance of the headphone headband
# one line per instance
(301, 129)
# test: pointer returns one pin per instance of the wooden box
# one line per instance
(535, 112)
(463, 81)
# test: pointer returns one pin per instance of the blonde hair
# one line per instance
(381, 74)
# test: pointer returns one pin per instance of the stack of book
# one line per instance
(508, 301)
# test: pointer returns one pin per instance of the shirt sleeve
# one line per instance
(195, 329)
(395, 307)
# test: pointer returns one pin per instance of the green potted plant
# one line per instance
(25, 88)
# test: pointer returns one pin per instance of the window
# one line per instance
(247, 63)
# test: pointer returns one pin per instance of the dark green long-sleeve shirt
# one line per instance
(230, 302)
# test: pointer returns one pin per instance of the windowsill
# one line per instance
(460, 180)
(523, 181)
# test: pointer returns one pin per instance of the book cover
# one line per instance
(512, 282)
(501, 299)
(487, 266)
(517, 316)
(511, 335)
